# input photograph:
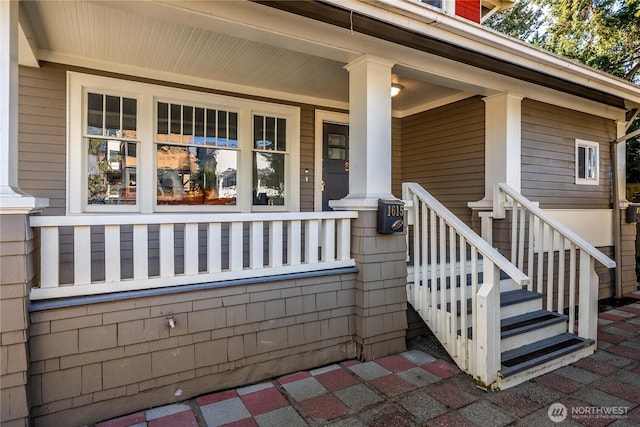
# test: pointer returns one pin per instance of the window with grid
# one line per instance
(269, 158)
(111, 146)
(196, 155)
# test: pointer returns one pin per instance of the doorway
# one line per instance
(335, 162)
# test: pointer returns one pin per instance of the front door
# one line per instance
(335, 163)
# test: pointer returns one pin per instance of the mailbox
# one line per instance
(390, 216)
(633, 214)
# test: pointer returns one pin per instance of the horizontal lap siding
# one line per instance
(548, 156)
(443, 150)
(41, 135)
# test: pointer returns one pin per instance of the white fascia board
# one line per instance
(461, 32)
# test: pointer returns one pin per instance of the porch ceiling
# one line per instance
(188, 40)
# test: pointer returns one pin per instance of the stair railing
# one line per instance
(542, 247)
(441, 245)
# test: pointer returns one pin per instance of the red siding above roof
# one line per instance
(469, 9)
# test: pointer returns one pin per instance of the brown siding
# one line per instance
(41, 135)
(443, 150)
(548, 156)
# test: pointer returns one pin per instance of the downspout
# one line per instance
(617, 226)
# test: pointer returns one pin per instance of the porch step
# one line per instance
(528, 322)
(535, 354)
(514, 303)
(520, 301)
(503, 278)
(530, 327)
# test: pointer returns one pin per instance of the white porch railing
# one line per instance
(112, 253)
(443, 246)
(540, 246)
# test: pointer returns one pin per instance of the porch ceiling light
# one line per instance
(395, 89)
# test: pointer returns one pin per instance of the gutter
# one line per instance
(415, 17)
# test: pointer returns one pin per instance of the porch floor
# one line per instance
(416, 388)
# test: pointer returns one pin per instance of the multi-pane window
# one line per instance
(587, 162)
(269, 158)
(196, 155)
(111, 149)
(139, 147)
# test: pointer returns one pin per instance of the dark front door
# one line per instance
(335, 163)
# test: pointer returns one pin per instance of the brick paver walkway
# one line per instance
(414, 389)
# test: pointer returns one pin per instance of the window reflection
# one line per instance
(196, 175)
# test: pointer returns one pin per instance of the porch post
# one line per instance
(502, 156)
(381, 297)
(12, 199)
(369, 134)
(16, 238)
(503, 141)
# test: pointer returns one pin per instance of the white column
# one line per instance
(621, 164)
(369, 134)
(502, 152)
(12, 200)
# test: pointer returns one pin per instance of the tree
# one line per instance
(604, 34)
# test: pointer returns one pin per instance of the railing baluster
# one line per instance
(256, 237)
(433, 241)
(140, 252)
(311, 237)
(463, 301)
(167, 258)
(50, 257)
(275, 243)
(531, 251)
(214, 247)
(426, 265)
(294, 244)
(112, 253)
(442, 261)
(540, 240)
(550, 265)
(236, 246)
(561, 273)
(344, 239)
(191, 250)
(514, 233)
(328, 240)
(523, 222)
(474, 312)
(453, 324)
(572, 289)
(82, 255)
(416, 242)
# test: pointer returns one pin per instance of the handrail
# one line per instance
(484, 248)
(553, 223)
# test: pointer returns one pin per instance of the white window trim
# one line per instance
(146, 95)
(587, 144)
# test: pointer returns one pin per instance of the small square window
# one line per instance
(587, 162)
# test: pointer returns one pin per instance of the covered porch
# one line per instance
(152, 297)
